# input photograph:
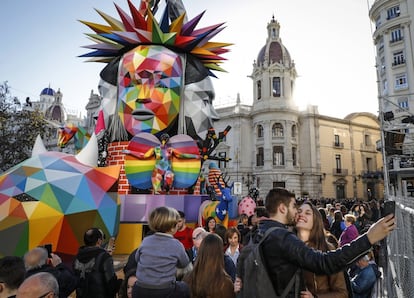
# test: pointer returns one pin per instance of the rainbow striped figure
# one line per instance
(171, 162)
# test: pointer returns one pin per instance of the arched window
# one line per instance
(277, 130)
(259, 131)
(293, 131)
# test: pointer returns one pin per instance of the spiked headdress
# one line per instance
(118, 37)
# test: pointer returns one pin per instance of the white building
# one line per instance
(394, 41)
(273, 144)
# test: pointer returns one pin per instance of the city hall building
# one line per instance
(273, 144)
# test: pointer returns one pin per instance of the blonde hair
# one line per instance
(163, 219)
(350, 218)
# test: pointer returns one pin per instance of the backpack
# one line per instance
(90, 277)
(256, 282)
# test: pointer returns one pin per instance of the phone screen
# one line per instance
(389, 208)
(49, 250)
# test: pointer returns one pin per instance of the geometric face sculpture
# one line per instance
(198, 108)
(54, 198)
(149, 87)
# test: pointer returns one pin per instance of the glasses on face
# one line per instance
(44, 295)
(198, 236)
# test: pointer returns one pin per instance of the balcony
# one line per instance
(340, 172)
(337, 145)
(372, 174)
(369, 148)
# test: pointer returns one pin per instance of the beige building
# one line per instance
(272, 143)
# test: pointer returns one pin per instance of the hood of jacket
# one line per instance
(86, 253)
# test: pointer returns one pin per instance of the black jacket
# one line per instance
(284, 253)
(102, 281)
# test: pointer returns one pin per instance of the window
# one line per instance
(382, 69)
(279, 184)
(393, 12)
(401, 81)
(277, 130)
(381, 44)
(293, 131)
(367, 140)
(259, 89)
(278, 158)
(396, 35)
(384, 87)
(378, 22)
(338, 163)
(259, 131)
(403, 103)
(398, 58)
(294, 156)
(260, 157)
(222, 162)
(369, 164)
(337, 141)
(273, 33)
(276, 87)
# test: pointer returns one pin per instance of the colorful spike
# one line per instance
(142, 28)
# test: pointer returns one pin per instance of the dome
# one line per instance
(273, 51)
(48, 91)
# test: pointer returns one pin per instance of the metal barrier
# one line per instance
(399, 269)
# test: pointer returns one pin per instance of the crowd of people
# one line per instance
(326, 247)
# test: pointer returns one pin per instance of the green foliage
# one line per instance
(19, 128)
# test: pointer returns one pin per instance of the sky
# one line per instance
(329, 40)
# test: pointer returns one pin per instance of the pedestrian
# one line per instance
(351, 232)
(37, 260)
(12, 274)
(199, 234)
(158, 258)
(364, 280)
(94, 267)
(210, 225)
(285, 254)
(208, 277)
(127, 284)
(39, 285)
(184, 233)
(310, 229)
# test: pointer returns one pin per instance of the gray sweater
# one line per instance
(158, 258)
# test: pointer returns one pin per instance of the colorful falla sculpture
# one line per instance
(54, 197)
(157, 82)
(156, 105)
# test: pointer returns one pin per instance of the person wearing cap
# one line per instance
(364, 279)
(95, 267)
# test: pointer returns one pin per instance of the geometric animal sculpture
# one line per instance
(52, 197)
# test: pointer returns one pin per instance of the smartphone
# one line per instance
(389, 207)
(49, 250)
